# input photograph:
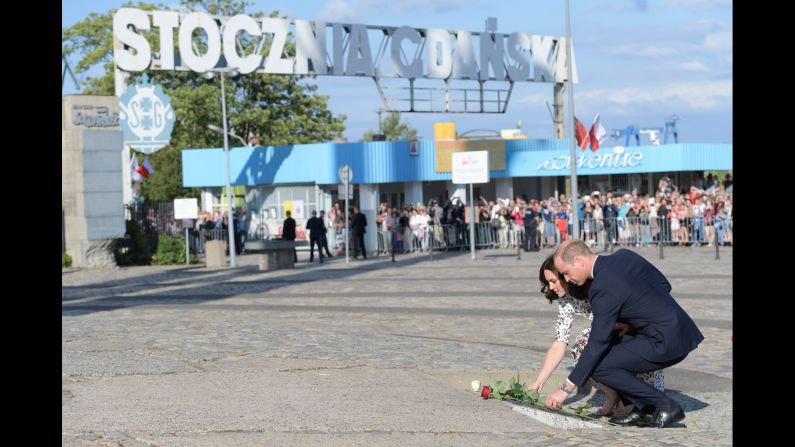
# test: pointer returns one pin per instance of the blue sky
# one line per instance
(639, 61)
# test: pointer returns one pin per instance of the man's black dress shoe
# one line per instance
(664, 419)
(635, 417)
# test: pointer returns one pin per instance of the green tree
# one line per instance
(393, 129)
(269, 109)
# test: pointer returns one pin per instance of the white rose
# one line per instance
(475, 385)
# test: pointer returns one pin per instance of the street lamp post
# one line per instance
(220, 131)
(573, 152)
(230, 220)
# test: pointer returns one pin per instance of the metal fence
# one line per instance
(154, 219)
(449, 237)
(157, 219)
(622, 232)
(643, 231)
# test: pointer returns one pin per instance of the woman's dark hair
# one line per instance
(575, 291)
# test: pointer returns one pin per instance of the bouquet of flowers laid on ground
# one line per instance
(519, 393)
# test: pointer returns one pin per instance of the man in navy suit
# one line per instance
(288, 232)
(358, 229)
(316, 229)
(626, 288)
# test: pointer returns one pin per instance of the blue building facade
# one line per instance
(391, 162)
(304, 177)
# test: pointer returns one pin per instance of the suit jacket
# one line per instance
(316, 227)
(288, 229)
(359, 224)
(628, 288)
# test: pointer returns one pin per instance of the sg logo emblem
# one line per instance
(146, 117)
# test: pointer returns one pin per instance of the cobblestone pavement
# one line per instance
(450, 314)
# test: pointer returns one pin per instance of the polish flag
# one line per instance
(597, 134)
(580, 134)
(145, 169)
(136, 177)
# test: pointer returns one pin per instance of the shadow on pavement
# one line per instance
(200, 278)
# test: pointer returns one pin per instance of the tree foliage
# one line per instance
(263, 108)
(393, 129)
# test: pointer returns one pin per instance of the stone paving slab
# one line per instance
(217, 357)
(315, 399)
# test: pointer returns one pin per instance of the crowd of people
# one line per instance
(699, 215)
(207, 227)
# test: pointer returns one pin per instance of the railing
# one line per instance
(623, 231)
(157, 219)
(644, 231)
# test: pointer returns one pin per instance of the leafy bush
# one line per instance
(135, 250)
(66, 260)
(171, 250)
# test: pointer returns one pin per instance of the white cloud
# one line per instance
(718, 41)
(700, 95)
(634, 50)
(352, 10)
(340, 11)
(697, 5)
(644, 6)
(693, 66)
(537, 99)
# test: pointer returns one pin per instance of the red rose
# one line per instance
(486, 392)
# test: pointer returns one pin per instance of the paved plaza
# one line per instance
(370, 353)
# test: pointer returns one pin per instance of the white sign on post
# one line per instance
(470, 167)
(186, 209)
(342, 187)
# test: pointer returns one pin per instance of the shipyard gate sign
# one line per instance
(206, 43)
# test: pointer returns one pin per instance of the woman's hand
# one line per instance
(623, 328)
(536, 386)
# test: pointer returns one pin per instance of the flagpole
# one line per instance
(585, 139)
(570, 87)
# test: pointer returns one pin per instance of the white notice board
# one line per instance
(470, 167)
(186, 209)
(298, 209)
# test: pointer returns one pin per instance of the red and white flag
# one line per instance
(148, 166)
(145, 169)
(580, 134)
(597, 134)
(136, 177)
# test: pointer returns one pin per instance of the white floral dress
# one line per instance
(568, 307)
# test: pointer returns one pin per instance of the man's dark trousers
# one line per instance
(312, 241)
(324, 244)
(618, 370)
(358, 243)
(530, 238)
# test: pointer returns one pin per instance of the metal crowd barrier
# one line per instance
(198, 238)
(646, 232)
(450, 237)
(602, 233)
(605, 233)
